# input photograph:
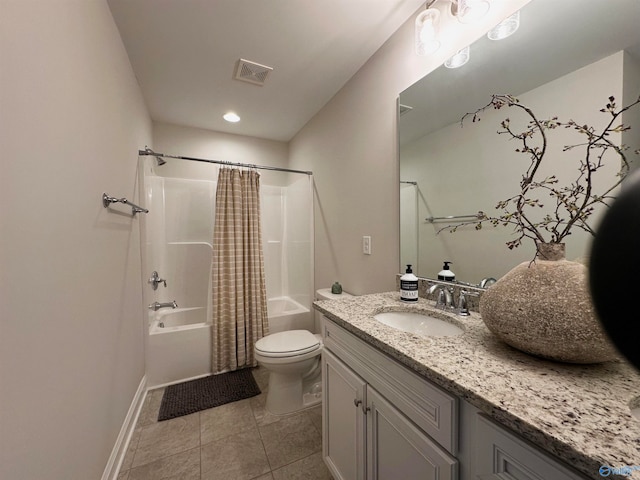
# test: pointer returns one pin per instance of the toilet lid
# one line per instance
(287, 344)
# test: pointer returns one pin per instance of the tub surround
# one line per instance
(578, 413)
(287, 314)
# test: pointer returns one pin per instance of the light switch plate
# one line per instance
(366, 245)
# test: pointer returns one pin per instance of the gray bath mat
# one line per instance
(207, 392)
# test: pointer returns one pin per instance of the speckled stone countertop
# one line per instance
(578, 413)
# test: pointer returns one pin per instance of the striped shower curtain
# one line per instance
(239, 298)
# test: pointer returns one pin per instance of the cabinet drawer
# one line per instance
(430, 408)
(500, 454)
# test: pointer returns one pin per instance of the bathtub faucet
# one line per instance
(155, 306)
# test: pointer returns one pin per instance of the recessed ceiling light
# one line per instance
(231, 117)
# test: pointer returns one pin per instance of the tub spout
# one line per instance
(155, 306)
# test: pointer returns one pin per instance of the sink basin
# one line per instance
(418, 323)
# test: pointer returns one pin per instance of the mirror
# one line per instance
(566, 59)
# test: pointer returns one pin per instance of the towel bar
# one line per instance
(107, 200)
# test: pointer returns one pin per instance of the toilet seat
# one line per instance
(291, 343)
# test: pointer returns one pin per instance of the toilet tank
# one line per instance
(325, 294)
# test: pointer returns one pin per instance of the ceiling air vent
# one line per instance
(252, 72)
(404, 109)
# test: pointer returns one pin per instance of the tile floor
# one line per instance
(238, 440)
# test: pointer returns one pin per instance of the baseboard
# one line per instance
(112, 469)
(182, 380)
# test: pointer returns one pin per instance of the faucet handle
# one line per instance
(441, 301)
(155, 280)
(463, 308)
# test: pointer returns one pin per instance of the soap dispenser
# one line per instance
(409, 286)
(446, 274)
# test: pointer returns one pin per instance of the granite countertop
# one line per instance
(578, 413)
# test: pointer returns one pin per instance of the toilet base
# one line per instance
(289, 393)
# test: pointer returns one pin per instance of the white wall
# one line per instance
(462, 177)
(352, 147)
(200, 143)
(71, 341)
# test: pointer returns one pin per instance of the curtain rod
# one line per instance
(148, 151)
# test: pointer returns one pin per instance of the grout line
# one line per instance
(200, 442)
(264, 449)
(255, 407)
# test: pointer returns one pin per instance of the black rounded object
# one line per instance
(614, 270)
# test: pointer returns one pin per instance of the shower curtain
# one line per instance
(239, 298)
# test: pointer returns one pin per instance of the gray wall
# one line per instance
(351, 145)
(71, 344)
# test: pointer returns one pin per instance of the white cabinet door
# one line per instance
(396, 449)
(501, 455)
(430, 408)
(343, 432)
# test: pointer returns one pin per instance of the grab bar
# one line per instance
(459, 218)
(107, 200)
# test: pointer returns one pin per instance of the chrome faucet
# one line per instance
(155, 306)
(463, 307)
(155, 280)
(444, 299)
(487, 282)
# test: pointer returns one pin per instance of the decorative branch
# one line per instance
(574, 203)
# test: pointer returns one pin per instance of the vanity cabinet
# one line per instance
(501, 455)
(389, 410)
(343, 431)
(382, 421)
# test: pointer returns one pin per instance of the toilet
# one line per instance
(292, 359)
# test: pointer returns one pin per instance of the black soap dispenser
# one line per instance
(409, 286)
(446, 274)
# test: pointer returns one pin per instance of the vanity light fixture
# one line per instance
(469, 11)
(427, 24)
(231, 117)
(426, 30)
(505, 28)
(459, 58)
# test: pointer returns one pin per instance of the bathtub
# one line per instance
(286, 314)
(170, 320)
(179, 346)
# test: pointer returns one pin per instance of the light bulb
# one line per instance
(426, 32)
(469, 11)
(505, 28)
(459, 58)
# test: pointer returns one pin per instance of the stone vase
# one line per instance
(544, 308)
